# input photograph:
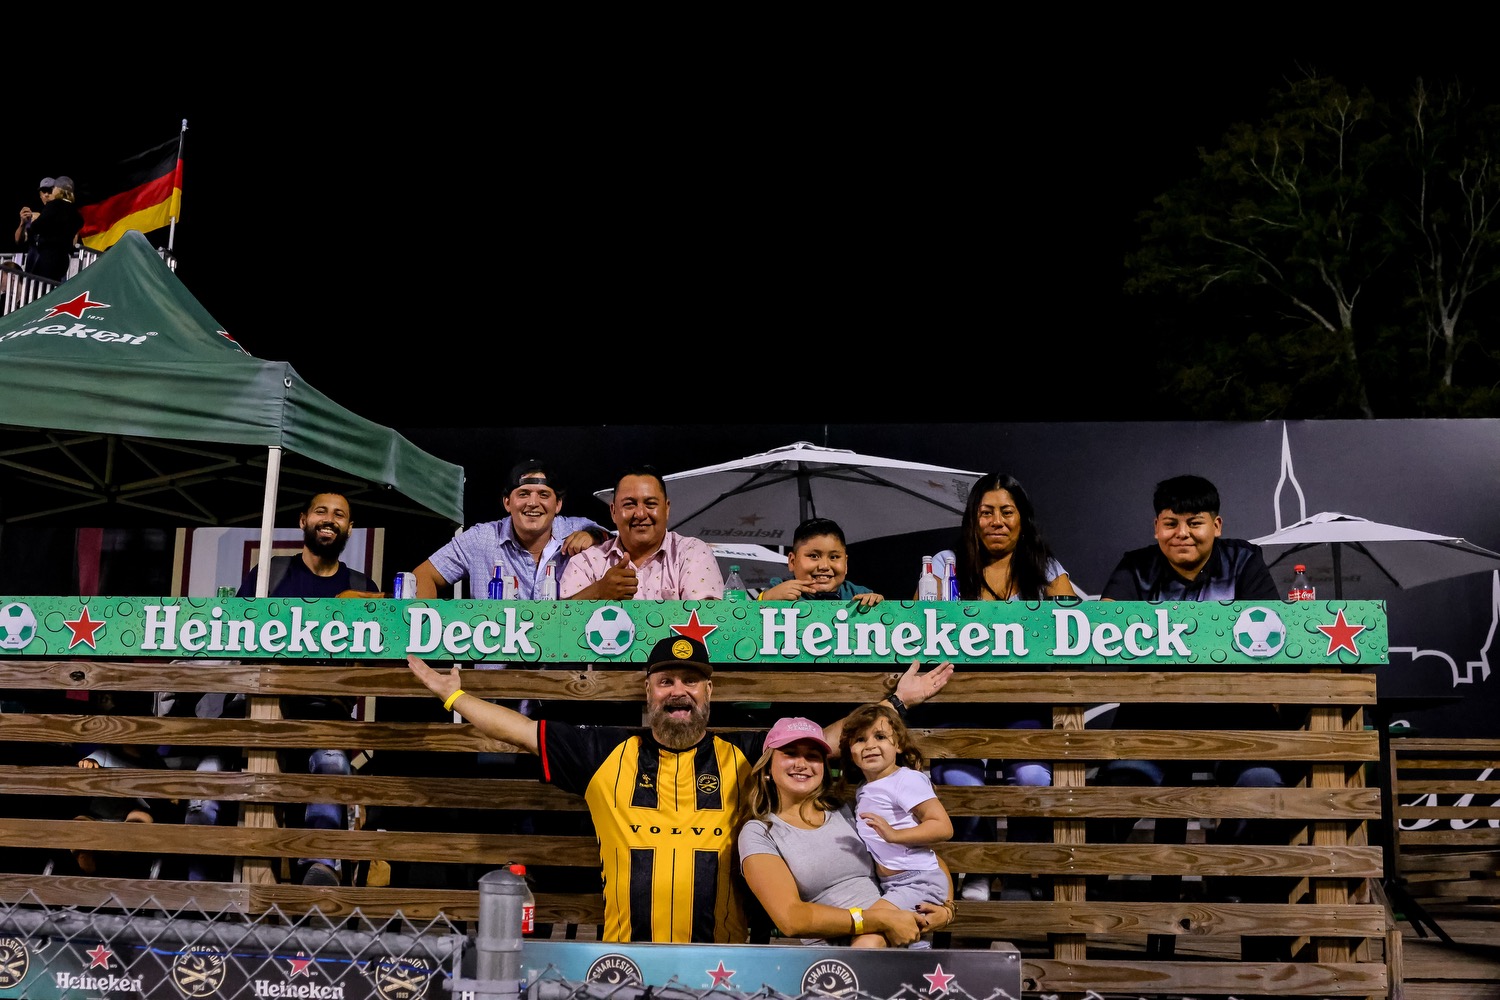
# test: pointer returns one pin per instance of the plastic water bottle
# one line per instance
(549, 584)
(497, 583)
(528, 901)
(1301, 589)
(929, 587)
(734, 586)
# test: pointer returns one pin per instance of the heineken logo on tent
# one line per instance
(75, 306)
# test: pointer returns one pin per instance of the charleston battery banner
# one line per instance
(1162, 636)
(58, 969)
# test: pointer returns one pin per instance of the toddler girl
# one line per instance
(900, 813)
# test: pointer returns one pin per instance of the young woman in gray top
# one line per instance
(803, 858)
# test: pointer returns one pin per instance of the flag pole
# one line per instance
(172, 229)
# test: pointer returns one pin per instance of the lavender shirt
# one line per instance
(683, 569)
(472, 555)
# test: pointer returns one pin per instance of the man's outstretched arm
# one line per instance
(912, 689)
(493, 720)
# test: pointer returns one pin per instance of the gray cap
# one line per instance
(62, 181)
(48, 183)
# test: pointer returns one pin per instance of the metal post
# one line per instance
(497, 965)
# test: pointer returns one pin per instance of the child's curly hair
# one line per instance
(859, 722)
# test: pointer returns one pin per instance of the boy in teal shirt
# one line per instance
(818, 563)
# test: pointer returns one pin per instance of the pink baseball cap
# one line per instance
(794, 728)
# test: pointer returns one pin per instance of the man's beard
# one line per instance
(328, 550)
(677, 734)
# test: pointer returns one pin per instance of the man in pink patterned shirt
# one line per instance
(644, 561)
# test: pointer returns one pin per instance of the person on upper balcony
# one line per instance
(53, 232)
(531, 536)
(644, 561)
(28, 215)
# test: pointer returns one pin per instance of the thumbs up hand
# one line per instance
(619, 582)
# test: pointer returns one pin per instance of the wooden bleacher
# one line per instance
(1336, 931)
(1446, 824)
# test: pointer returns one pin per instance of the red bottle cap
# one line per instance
(1299, 569)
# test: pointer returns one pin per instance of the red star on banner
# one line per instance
(84, 629)
(721, 975)
(938, 981)
(75, 306)
(98, 957)
(299, 965)
(694, 629)
(1341, 635)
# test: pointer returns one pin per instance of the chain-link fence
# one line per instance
(152, 951)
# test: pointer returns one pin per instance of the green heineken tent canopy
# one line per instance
(119, 390)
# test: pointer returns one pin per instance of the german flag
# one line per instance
(146, 195)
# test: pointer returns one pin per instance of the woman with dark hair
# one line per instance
(1002, 556)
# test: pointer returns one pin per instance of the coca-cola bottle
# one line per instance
(528, 901)
(1301, 589)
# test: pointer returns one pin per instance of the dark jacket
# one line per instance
(51, 237)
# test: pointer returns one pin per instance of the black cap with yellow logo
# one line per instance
(679, 651)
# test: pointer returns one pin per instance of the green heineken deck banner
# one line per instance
(1164, 635)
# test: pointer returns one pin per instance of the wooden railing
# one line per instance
(1446, 823)
(1334, 929)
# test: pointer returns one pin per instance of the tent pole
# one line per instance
(1338, 572)
(268, 520)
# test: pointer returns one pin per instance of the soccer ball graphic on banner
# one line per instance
(609, 631)
(1259, 632)
(17, 626)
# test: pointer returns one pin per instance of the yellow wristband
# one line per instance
(859, 919)
(448, 705)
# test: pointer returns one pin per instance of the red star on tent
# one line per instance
(1341, 635)
(938, 980)
(752, 519)
(299, 965)
(721, 975)
(238, 346)
(75, 306)
(694, 629)
(98, 957)
(84, 629)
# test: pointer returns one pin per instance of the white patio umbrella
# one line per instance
(1370, 555)
(757, 564)
(764, 497)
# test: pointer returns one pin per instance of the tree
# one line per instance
(1283, 231)
(1452, 147)
(1325, 262)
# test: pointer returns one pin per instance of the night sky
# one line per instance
(913, 242)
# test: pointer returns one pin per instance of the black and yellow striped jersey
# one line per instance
(664, 819)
